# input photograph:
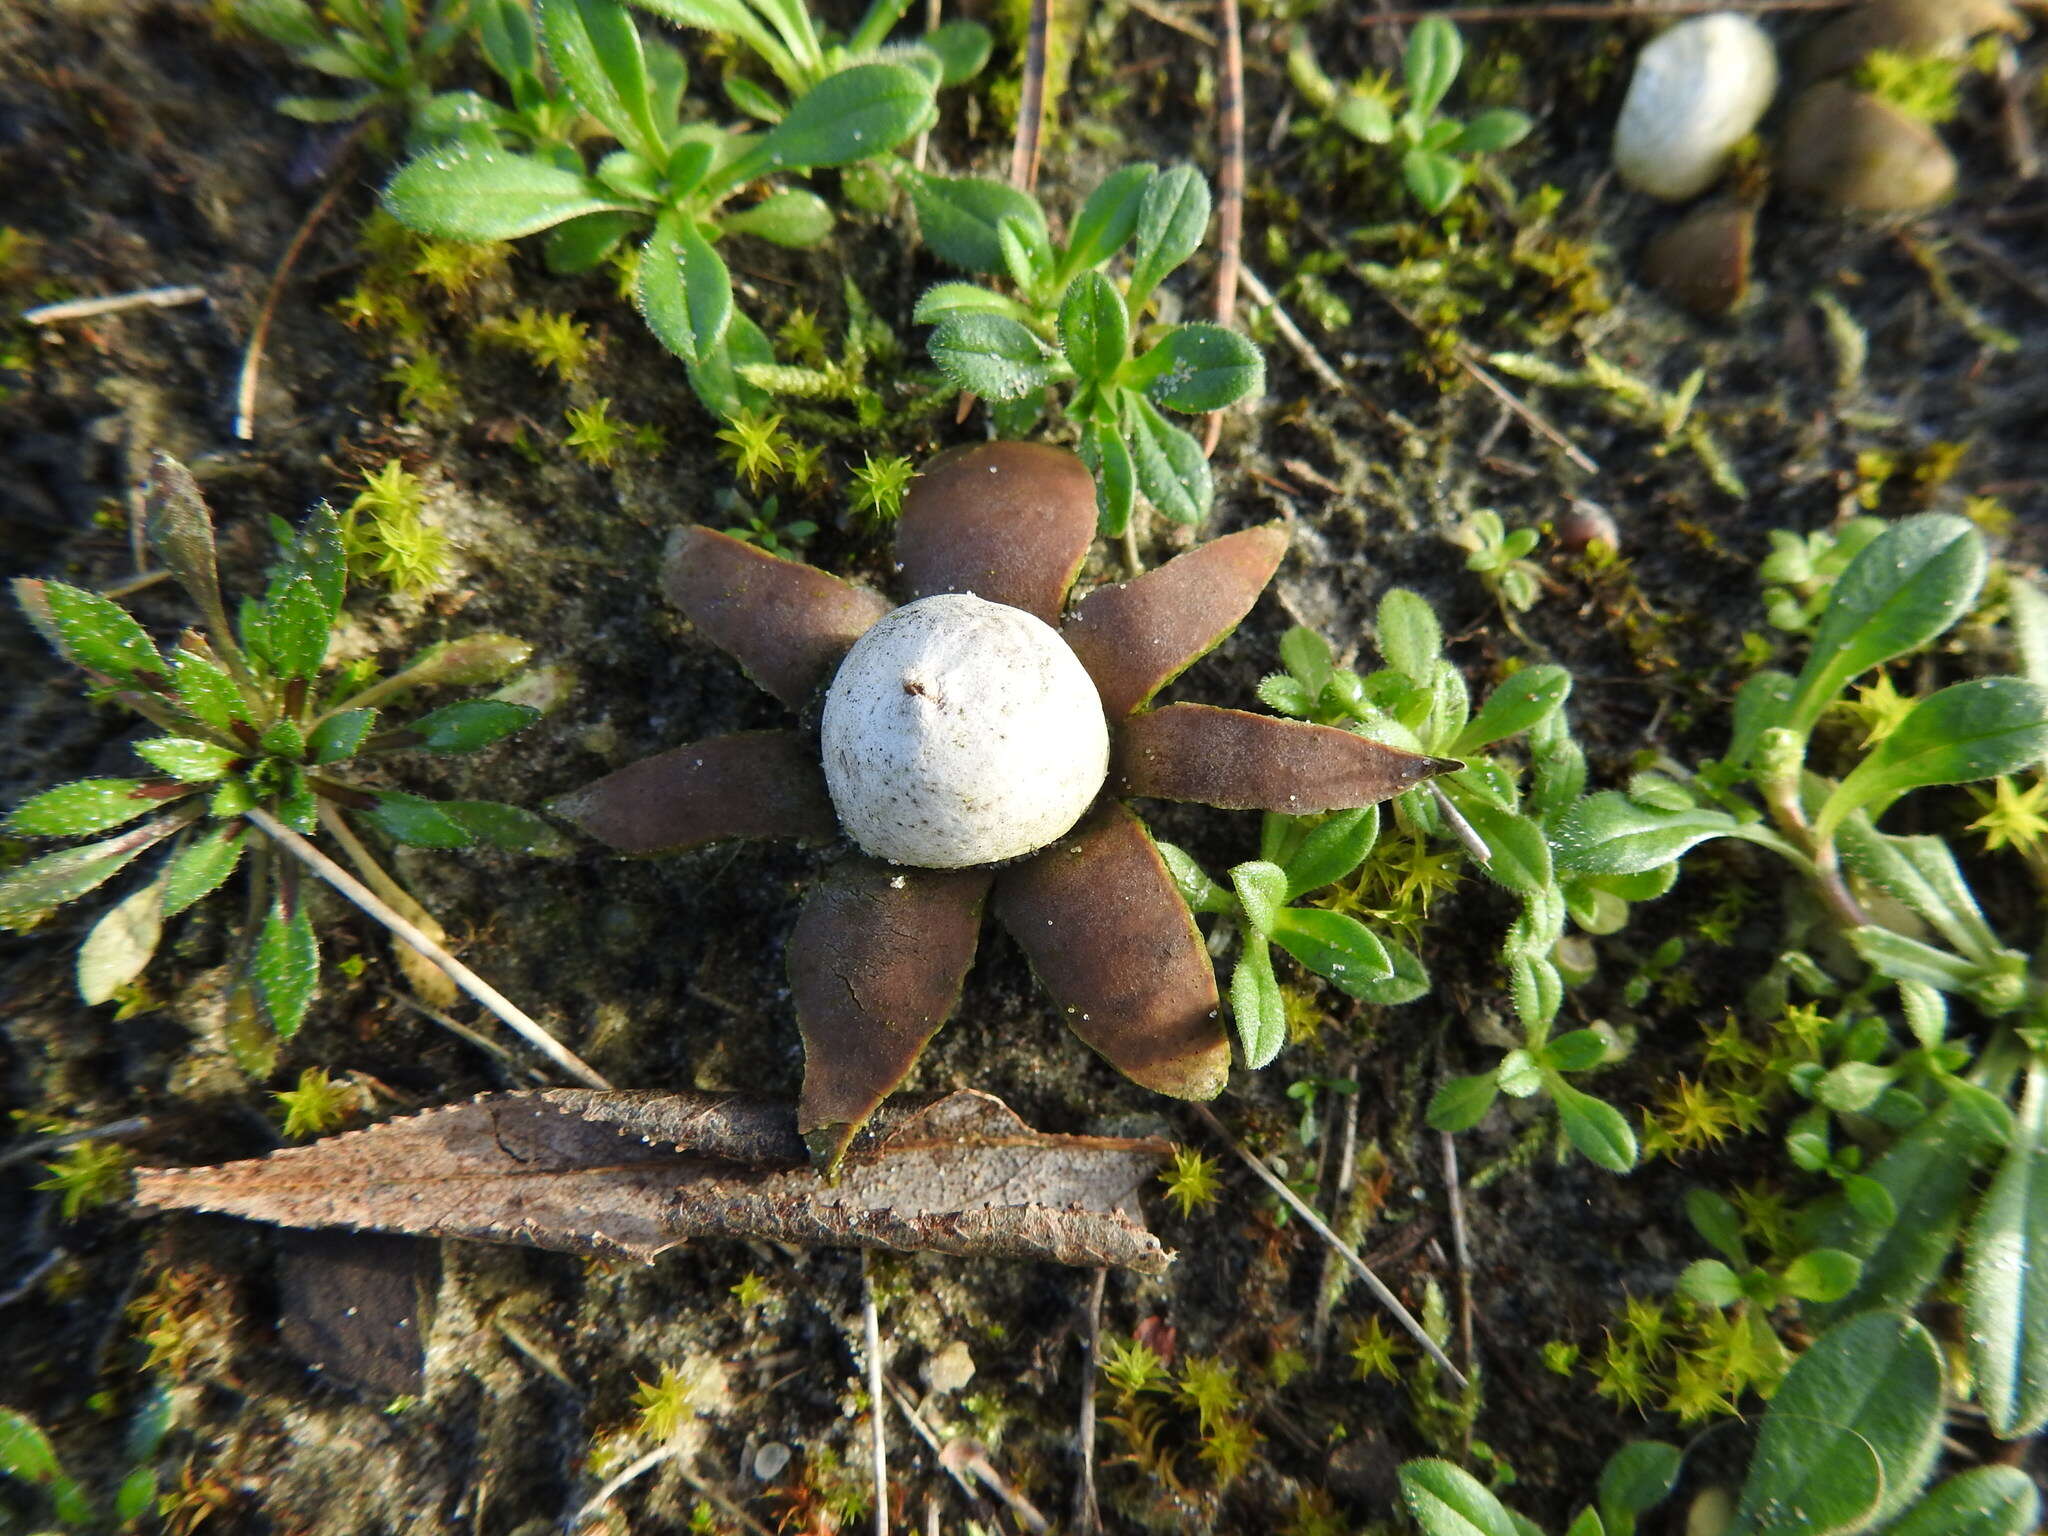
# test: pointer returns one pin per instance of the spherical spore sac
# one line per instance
(959, 732)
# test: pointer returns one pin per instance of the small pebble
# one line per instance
(770, 1460)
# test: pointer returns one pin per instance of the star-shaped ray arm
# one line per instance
(1136, 637)
(786, 624)
(763, 784)
(1009, 522)
(1099, 918)
(1242, 762)
(875, 963)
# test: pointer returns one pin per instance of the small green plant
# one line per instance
(668, 185)
(386, 53)
(878, 488)
(87, 1176)
(1194, 1180)
(764, 530)
(385, 534)
(248, 725)
(1436, 149)
(318, 1104)
(1500, 559)
(27, 1456)
(1070, 323)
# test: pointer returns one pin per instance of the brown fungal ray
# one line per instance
(1109, 937)
(1009, 522)
(630, 1175)
(1242, 762)
(1136, 637)
(875, 964)
(785, 623)
(764, 784)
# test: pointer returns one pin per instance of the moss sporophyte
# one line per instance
(975, 746)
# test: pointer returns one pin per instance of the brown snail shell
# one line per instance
(1858, 154)
(1943, 27)
(1701, 263)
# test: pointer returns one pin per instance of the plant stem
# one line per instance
(489, 996)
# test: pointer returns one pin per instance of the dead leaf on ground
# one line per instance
(632, 1174)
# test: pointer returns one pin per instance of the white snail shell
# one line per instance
(1697, 90)
(959, 732)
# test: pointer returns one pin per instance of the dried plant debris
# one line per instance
(633, 1174)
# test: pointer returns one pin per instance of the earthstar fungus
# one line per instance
(962, 700)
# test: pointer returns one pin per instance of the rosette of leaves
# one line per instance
(1419, 701)
(385, 53)
(669, 185)
(1436, 149)
(1068, 322)
(247, 725)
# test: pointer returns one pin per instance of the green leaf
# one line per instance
(1435, 54)
(26, 1453)
(730, 18)
(120, 944)
(796, 219)
(2029, 607)
(1521, 856)
(1446, 1500)
(1491, 131)
(1577, 1050)
(992, 355)
(1594, 1126)
(1366, 116)
(685, 291)
(1716, 1219)
(340, 736)
(417, 821)
(595, 48)
(1408, 636)
(958, 217)
(1967, 731)
(1333, 945)
(1824, 1274)
(1710, 1283)
(1261, 890)
(962, 47)
(208, 691)
(1255, 1006)
(1201, 367)
(1196, 889)
(1921, 872)
(285, 967)
(180, 531)
(1433, 178)
(1463, 1102)
(283, 738)
(508, 827)
(86, 805)
(1333, 848)
(1409, 981)
(1610, 834)
(1905, 587)
(1173, 216)
(1514, 707)
(579, 244)
(1116, 481)
(1984, 1501)
(470, 725)
(482, 193)
(1308, 660)
(290, 23)
(856, 114)
(1636, 1479)
(1764, 703)
(201, 867)
(1095, 331)
(2005, 1278)
(1851, 1433)
(716, 380)
(185, 758)
(89, 631)
(32, 889)
(948, 298)
(1171, 469)
(1108, 218)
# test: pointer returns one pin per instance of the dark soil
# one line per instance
(138, 148)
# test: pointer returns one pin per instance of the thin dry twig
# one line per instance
(1087, 1513)
(638, 1467)
(1230, 186)
(1467, 835)
(1031, 102)
(114, 303)
(871, 1333)
(1347, 1175)
(1460, 1250)
(33, 1278)
(252, 355)
(1621, 10)
(352, 888)
(1169, 18)
(1291, 333)
(908, 1409)
(113, 1130)
(1321, 1228)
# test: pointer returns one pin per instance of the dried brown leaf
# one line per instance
(633, 1174)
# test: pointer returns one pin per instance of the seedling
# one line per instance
(27, 1456)
(1436, 149)
(386, 54)
(248, 725)
(1070, 323)
(667, 187)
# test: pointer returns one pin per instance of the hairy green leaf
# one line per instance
(685, 291)
(1514, 707)
(202, 866)
(1108, 218)
(958, 217)
(32, 889)
(1434, 56)
(1446, 1500)
(1984, 1501)
(485, 193)
(1171, 468)
(792, 218)
(1201, 367)
(1095, 331)
(991, 354)
(285, 967)
(340, 736)
(595, 48)
(89, 631)
(86, 805)
(1255, 1005)
(2005, 1277)
(1173, 216)
(1333, 945)
(186, 758)
(1967, 731)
